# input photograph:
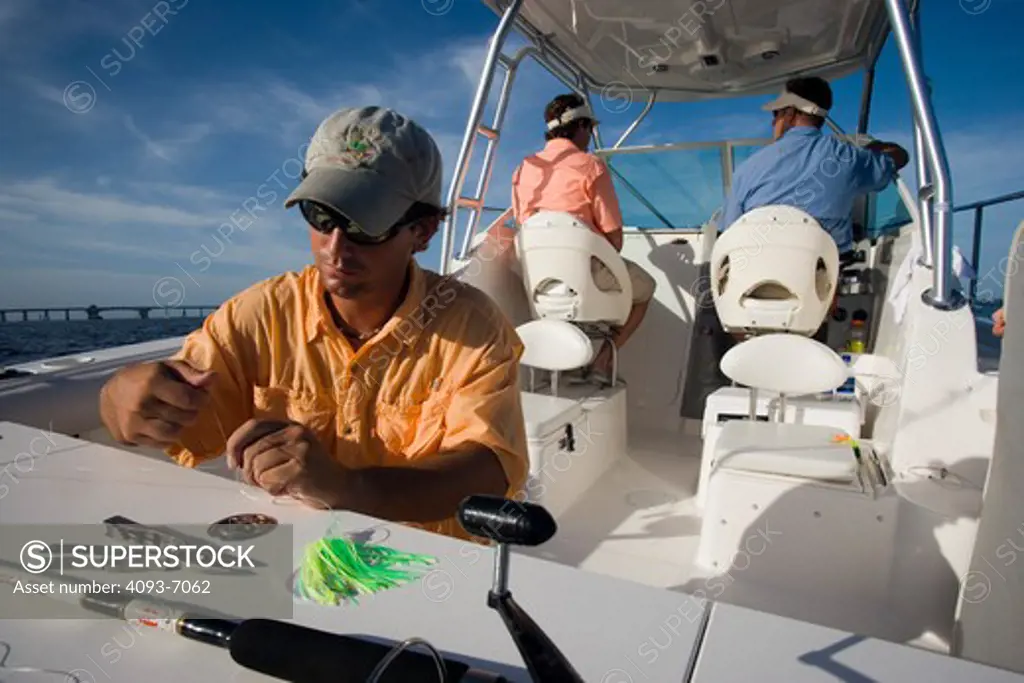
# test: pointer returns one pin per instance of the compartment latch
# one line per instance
(568, 442)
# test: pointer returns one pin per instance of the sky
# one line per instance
(146, 147)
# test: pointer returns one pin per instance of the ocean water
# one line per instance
(21, 342)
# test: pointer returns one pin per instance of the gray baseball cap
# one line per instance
(371, 164)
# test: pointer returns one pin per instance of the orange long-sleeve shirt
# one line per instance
(443, 372)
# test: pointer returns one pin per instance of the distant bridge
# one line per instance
(96, 312)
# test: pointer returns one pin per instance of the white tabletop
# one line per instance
(605, 626)
(744, 645)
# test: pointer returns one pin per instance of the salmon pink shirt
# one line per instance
(562, 177)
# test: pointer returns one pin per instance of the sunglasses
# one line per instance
(779, 113)
(326, 220)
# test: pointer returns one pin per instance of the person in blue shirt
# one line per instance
(805, 169)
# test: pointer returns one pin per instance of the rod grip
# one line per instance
(506, 521)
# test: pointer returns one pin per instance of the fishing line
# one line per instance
(243, 488)
(341, 567)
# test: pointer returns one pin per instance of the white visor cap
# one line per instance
(570, 115)
(789, 99)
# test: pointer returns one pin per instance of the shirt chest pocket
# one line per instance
(313, 411)
(412, 429)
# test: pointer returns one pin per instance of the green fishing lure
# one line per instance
(335, 570)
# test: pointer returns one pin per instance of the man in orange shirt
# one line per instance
(362, 382)
(564, 177)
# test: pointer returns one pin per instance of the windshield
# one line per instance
(682, 186)
(675, 186)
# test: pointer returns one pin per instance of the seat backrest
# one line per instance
(785, 363)
(774, 269)
(555, 250)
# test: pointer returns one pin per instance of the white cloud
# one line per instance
(469, 59)
(170, 148)
(270, 107)
(88, 225)
(45, 91)
(44, 197)
(435, 86)
(984, 161)
(172, 144)
(60, 286)
(19, 216)
(191, 194)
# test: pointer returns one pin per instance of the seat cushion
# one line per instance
(794, 450)
(786, 364)
(554, 345)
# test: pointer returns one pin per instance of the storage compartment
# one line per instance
(572, 439)
(839, 411)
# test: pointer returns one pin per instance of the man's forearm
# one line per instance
(106, 409)
(423, 492)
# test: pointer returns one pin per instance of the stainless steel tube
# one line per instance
(941, 295)
(476, 113)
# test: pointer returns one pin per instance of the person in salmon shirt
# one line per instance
(362, 382)
(565, 177)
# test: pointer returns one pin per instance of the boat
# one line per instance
(799, 514)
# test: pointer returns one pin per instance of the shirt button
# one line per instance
(346, 430)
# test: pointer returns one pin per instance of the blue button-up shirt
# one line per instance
(819, 174)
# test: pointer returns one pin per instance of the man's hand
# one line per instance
(898, 154)
(150, 403)
(284, 457)
(999, 323)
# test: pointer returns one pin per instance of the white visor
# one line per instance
(571, 115)
(789, 99)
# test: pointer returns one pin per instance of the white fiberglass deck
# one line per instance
(640, 521)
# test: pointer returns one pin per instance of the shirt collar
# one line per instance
(318, 316)
(805, 131)
(560, 145)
